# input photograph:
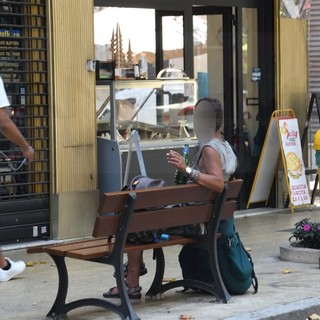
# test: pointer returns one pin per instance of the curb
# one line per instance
(298, 310)
(297, 254)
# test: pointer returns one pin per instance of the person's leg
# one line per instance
(143, 269)
(134, 265)
(3, 261)
(9, 268)
(132, 280)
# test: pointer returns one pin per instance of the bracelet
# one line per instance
(194, 175)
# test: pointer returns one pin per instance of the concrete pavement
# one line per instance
(287, 290)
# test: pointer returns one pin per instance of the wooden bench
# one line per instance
(108, 243)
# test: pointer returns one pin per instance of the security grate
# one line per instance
(24, 193)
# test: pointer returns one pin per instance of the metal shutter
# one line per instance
(24, 193)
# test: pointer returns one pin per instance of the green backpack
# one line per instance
(236, 266)
(235, 263)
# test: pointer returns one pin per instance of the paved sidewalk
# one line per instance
(287, 290)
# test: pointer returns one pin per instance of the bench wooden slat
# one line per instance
(178, 216)
(43, 248)
(107, 225)
(91, 253)
(60, 250)
(104, 250)
(168, 195)
(155, 197)
(234, 188)
(228, 209)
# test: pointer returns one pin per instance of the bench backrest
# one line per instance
(200, 200)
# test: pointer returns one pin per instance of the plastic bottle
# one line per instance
(181, 177)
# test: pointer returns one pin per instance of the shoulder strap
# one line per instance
(196, 158)
(253, 274)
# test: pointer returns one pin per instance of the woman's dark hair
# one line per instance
(216, 104)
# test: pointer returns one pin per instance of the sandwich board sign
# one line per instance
(294, 166)
(282, 141)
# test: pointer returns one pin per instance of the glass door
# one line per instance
(170, 45)
(213, 58)
(225, 47)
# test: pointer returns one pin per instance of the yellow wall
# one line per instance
(73, 133)
(292, 67)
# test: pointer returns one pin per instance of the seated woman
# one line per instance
(214, 165)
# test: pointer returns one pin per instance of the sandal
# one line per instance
(133, 293)
(143, 270)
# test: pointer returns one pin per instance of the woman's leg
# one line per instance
(132, 280)
(3, 261)
(134, 265)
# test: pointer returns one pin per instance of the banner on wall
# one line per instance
(292, 154)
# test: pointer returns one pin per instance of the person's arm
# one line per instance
(12, 133)
(212, 178)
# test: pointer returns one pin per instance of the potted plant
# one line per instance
(306, 234)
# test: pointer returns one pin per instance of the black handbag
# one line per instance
(149, 236)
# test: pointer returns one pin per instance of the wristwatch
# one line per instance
(188, 170)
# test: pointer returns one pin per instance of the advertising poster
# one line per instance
(10, 55)
(293, 161)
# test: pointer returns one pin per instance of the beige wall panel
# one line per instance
(77, 213)
(73, 134)
(83, 178)
(74, 95)
(293, 67)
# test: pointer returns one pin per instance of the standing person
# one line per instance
(9, 268)
(214, 165)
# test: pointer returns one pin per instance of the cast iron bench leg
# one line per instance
(156, 285)
(221, 291)
(60, 308)
(125, 307)
(60, 301)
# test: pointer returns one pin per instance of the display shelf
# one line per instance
(160, 110)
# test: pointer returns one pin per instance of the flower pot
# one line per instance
(292, 253)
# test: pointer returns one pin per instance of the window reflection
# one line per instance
(120, 34)
(208, 55)
(161, 109)
(250, 83)
(172, 41)
(295, 9)
(158, 109)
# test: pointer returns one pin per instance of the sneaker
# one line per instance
(15, 269)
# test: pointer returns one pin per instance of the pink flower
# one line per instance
(306, 227)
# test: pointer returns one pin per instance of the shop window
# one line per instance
(172, 42)
(126, 36)
(159, 110)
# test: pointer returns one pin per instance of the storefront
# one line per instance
(226, 52)
(225, 48)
